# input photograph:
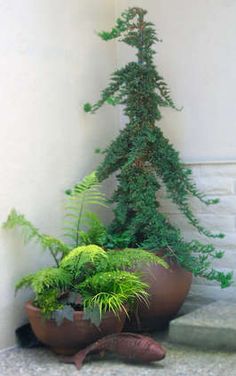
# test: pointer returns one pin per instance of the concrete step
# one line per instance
(213, 326)
(193, 302)
(213, 292)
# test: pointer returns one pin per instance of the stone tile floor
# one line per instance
(180, 361)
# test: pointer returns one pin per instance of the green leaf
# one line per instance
(87, 107)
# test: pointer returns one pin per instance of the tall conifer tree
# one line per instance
(144, 159)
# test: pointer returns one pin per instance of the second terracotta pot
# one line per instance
(168, 290)
(71, 336)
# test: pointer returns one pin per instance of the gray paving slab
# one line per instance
(180, 361)
(213, 327)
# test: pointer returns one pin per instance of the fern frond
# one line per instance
(28, 230)
(47, 285)
(48, 302)
(95, 230)
(81, 257)
(31, 233)
(88, 182)
(55, 245)
(129, 258)
(70, 236)
(50, 278)
(25, 282)
(79, 198)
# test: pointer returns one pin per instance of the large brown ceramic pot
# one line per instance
(168, 290)
(71, 336)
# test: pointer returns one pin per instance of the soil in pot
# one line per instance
(168, 290)
(72, 336)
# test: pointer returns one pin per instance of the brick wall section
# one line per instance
(215, 180)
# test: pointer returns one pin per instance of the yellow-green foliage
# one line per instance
(81, 258)
(47, 284)
(111, 291)
(48, 302)
(100, 277)
(46, 279)
(131, 257)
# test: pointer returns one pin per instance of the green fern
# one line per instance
(48, 284)
(48, 302)
(51, 278)
(127, 259)
(82, 260)
(25, 282)
(44, 279)
(84, 194)
(57, 248)
(98, 276)
(30, 232)
(130, 257)
(95, 231)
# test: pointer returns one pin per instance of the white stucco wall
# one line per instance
(51, 63)
(197, 58)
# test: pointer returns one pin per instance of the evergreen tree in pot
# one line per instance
(144, 161)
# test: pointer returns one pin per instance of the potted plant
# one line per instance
(144, 161)
(89, 291)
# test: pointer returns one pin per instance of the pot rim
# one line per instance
(77, 314)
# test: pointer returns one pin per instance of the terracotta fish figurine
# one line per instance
(129, 346)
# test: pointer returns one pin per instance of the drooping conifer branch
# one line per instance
(144, 159)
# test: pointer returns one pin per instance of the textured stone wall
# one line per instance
(216, 180)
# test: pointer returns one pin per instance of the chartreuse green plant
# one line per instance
(88, 278)
(85, 276)
(145, 160)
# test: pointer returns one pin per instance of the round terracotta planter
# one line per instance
(168, 290)
(71, 336)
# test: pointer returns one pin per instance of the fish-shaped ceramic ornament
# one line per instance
(129, 346)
